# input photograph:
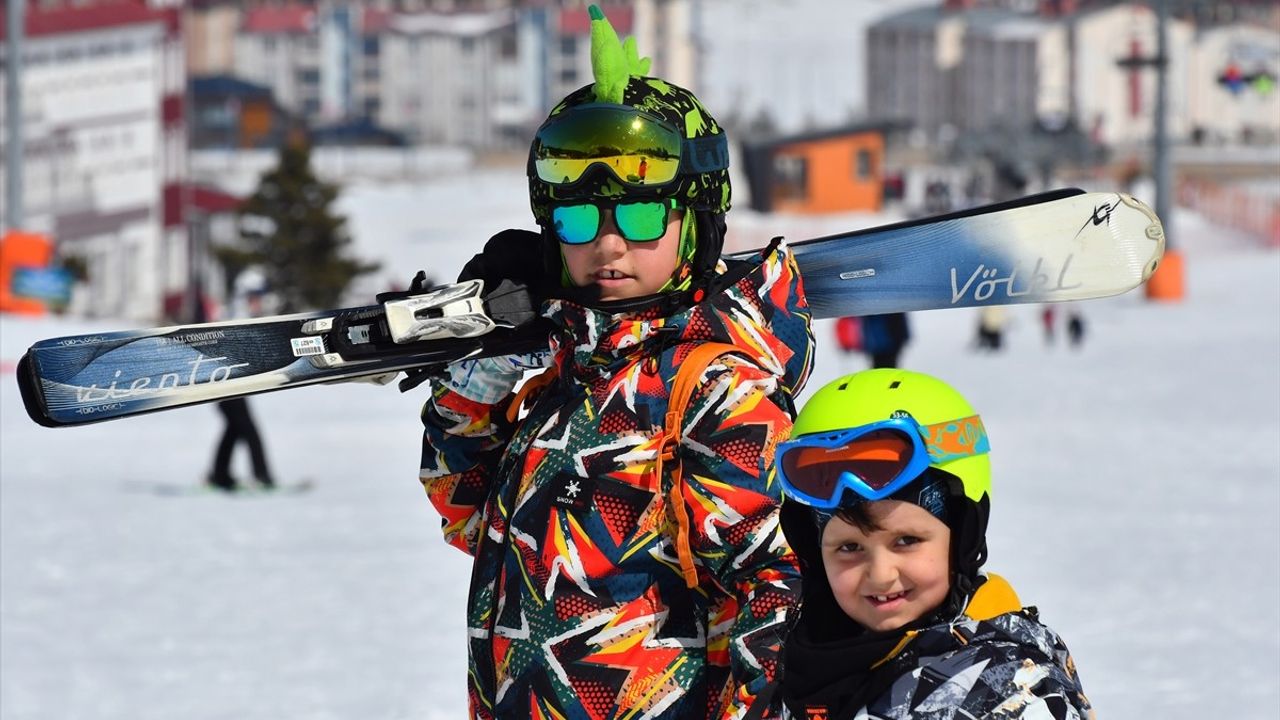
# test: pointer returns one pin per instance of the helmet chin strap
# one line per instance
(968, 548)
(684, 273)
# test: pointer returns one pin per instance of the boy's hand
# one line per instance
(489, 380)
(514, 255)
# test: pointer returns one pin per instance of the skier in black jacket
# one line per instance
(887, 477)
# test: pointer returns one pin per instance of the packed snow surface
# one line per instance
(1137, 504)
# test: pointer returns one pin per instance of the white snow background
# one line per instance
(1136, 503)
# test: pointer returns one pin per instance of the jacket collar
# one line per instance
(763, 306)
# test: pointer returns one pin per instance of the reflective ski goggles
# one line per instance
(874, 460)
(641, 150)
(641, 221)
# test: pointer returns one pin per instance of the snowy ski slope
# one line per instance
(1137, 504)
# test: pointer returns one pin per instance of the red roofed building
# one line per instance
(104, 137)
(278, 19)
(576, 21)
(663, 33)
(320, 60)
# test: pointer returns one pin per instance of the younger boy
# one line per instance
(890, 478)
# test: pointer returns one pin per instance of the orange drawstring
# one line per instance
(533, 385)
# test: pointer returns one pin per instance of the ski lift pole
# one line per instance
(13, 114)
(1167, 282)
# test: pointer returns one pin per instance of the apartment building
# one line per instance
(955, 67)
(321, 61)
(454, 78)
(480, 74)
(104, 158)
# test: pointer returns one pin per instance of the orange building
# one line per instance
(836, 170)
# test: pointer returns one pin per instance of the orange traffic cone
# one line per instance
(1167, 283)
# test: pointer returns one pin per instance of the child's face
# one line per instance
(889, 577)
(624, 269)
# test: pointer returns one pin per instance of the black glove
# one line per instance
(515, 255)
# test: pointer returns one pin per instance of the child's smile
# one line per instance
(882, 601)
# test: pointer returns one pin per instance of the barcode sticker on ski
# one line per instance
(304, 346)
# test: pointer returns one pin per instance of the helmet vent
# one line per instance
(894, 385)
(843, 386)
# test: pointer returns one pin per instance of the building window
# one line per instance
(371, 45)
(508, 47)
(568, 46)
(569, 75)
(790, 177)
(309, 76)
(864, 164)
(468, 45)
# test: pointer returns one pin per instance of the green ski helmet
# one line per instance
(573, 157)
(873, 396)
(962, 478)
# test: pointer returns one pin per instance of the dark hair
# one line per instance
(857, 516)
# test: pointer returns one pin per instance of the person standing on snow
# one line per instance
(891, 478)
(600, 587)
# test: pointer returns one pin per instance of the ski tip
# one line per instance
(32, 397)
(1154, 232)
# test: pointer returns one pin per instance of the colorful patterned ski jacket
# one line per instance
(578, 607)
(996, 660)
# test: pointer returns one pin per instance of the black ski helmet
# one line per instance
(700, 187)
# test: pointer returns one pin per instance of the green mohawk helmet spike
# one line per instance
(612, 61)
(701, 187)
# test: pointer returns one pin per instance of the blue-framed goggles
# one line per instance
(640, 149)
(874, 460)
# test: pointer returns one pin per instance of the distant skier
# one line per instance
(884, 337)
(848, 332)
(891, 483)
(239, 428)
(1048, 318)
(601, 586)
(991, 325)
(1075, 329)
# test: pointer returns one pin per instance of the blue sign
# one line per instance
(52, 285)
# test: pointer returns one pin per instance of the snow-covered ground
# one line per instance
(1137, 504)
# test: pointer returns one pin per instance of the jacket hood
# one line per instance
(764, 313)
